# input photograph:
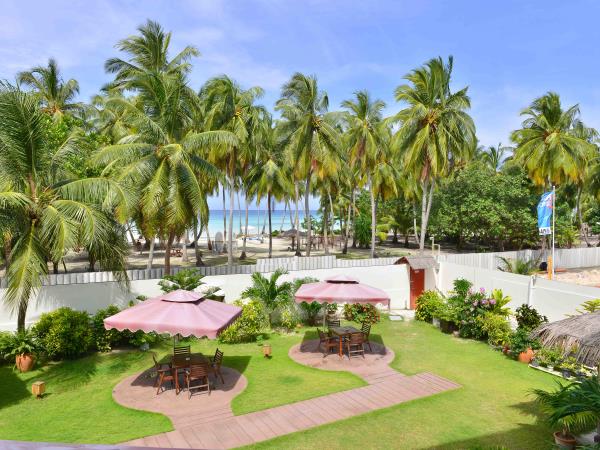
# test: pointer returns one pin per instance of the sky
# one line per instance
(506, 52)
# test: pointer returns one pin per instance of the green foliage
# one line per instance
(312, 309)
(19, 343)
(269, 292)
(105, 340)
(427, 305)
(590, 306)
(362, 230)
(356, 312)
(518, 266)
(498, 212)
(528, 318)
(186, 279)
(520, 341)
(248, 326)
(496, 327)
(64, 333)
(548, 357)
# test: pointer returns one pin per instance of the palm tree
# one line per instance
(435, 130)
(229, 107)
(148, 53)
(161, 161)
(310, 139)
(547, 144)
(268, 175)
(49, 212)
(494, 157)
(269, 292)
(366, 133)
(55, 95)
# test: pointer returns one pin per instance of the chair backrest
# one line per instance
(333, 323)
(181, 350)
(357, 338)
(218, 359)
(321, 334)
(198, 371)
(366, 329)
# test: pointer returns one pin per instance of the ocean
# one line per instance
(257, 219)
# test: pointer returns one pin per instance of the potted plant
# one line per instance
(572, 407)
(22, 346)
(522, 346)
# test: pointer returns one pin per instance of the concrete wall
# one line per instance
(97, 295)
(551, 298)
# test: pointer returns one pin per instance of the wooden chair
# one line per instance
(182, 350)
(328, 343)
(164, 374)
(332, 323)
(355, 345)
(197, 373)
(215, 363)
(366, 331)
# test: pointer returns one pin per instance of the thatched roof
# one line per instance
(418, 262)
(578, 334)
(292, 233)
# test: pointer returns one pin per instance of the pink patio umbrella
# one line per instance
(341, 289)
(179, 312)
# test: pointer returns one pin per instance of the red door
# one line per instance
(417, 285)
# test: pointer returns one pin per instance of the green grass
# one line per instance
(79, 406)
(493, 408)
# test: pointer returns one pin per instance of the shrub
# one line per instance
(548, 357)
(496, 327)
(104, 339)
(311, 310)
(186, 279)
(528, 318)
(361, 313)
(520, 342)
(64, 333)
(248, 325)
(427, 305)
(4, 345)
(19, 343)
(289, 318)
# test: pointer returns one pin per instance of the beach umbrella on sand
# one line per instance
(579, 335)
(179, 312)
(341, 289)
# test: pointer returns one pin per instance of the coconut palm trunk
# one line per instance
(150, 254)
(426, 202)
(168, 246)
(243, 255)
(307, 217)
(197, 252)
(297, 219)
(224, 219)
(347, 231)
(580, 216)
(186, 241)
(270, 225)
(325, 233)
(231, 206)
(373, 217)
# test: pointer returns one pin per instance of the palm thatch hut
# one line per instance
(577, 335)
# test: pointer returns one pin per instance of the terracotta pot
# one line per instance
(24, 362)
(566, 442)
(526, 357)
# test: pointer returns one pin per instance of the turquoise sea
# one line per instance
(257, 219)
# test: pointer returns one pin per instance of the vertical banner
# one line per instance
(544, 212)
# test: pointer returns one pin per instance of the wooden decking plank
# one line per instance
(177, 440)
(250, 426)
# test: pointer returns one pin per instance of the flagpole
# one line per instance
(553, 214)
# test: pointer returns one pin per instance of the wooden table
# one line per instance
(183, 362)
(341, 332)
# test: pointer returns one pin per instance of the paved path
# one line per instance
(217, 428)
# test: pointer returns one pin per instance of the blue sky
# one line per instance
(507, 52)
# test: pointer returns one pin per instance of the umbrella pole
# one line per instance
(324, 306)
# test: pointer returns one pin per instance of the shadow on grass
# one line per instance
(310, 343)
(12, 388)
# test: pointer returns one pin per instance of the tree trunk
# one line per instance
(209, 243)
(224, 221)
(239, 209)
(406, 245)
(332, 220)
(22, 313)
(291, 215)
(184, 252)
(347, 232)
(131, 234)
(415, 232)
(230, 235)
(150, 254)
(373, 218)
(168, 245)
(55, 267)
(425, 210)
(197, 251)
(243, 255)
(353, 220)
(325, 232)
(297, 219)
(270, 225)
(307, 215)
(92, 264)
(580, 216)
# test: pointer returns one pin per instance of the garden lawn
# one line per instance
(494, 407)
(79, 407)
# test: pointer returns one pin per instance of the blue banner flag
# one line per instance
(544, 211)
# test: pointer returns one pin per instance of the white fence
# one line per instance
(96, 290)
(567, 258)
(554, 299)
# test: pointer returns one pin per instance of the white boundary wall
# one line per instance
(95, 295)
(554, 299)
